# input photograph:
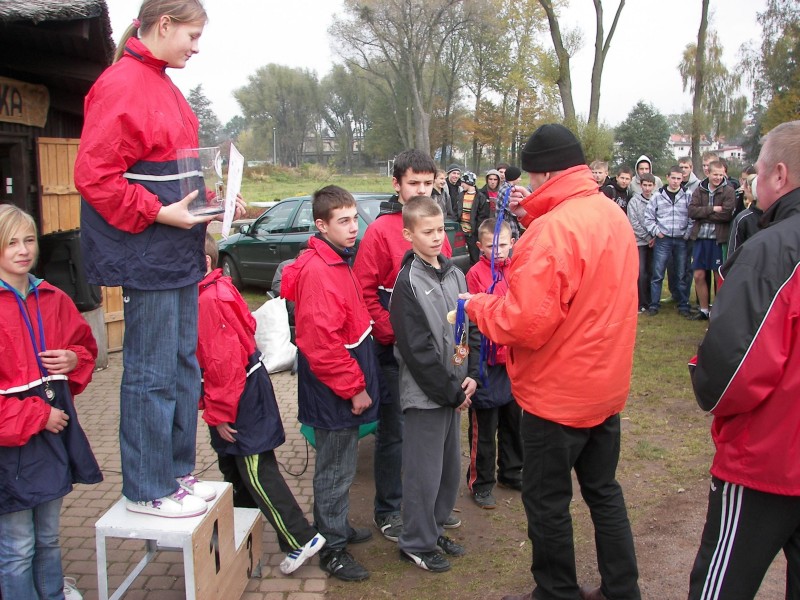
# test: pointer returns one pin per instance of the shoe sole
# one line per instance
(418, 562)
(307, 552)
(455, 525)
(145, 510)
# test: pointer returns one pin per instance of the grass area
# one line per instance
(262, 187)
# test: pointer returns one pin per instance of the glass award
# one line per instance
(201, 169)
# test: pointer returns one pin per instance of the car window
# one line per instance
(371, 206)
(276, 220)
(303, 220)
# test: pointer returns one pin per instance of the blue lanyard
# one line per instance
(461, 319)
(23, 311)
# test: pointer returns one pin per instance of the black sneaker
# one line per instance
(484, 499)
(430, 561)
(700, 316)
(652, 312)
(391, 526)
(450, 547)
(359, 535)
(452, 522)
(342, 565)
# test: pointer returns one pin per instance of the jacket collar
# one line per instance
(572, 183)
(785, 207)
(138, 51)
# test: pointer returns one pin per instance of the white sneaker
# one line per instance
(296, 558)
(197, 488)
(70, 591)
(179, 504)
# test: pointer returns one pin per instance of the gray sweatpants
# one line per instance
(431, 474)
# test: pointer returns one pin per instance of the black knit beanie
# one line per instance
(452, 168)
(552, 147)
(513, 173)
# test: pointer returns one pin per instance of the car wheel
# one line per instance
(229, 269)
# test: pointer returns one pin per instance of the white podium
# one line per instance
(221, 549)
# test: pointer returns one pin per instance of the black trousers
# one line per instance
(646, 274)
(495, 444)
(745, 529)
(551, 452)
(257, 482)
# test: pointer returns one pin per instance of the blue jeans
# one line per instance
(388, 463)
(337, 455)
(30, 555)
(160, 391)
(669, 249)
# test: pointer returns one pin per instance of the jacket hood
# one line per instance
(641, 159)
(291, 273)
(571, 183)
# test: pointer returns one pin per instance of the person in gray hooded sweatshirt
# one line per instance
(643, 165)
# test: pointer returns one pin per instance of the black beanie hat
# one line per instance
(552, 147)
(513, 173)
(452, 168)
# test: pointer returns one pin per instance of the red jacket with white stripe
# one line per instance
(748, 365)
(380, 254)
(337, 357)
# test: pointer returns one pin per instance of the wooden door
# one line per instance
(60, 206)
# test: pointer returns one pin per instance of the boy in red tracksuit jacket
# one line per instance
(242, 414)
(380, 255)
(338, 385)
(494, 417)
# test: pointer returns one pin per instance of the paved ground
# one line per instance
(98, 410)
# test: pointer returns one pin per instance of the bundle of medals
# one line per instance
(460, 334)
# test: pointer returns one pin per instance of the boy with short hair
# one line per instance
(495, 441)
(667, 221)
(434, 385)
(618, 188)
(711, 209)
(644, 240)
(242, 414)
(600, 173)
(378, 260)
(338, 386)
(690, 180)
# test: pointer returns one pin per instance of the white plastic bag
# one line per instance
(273, 336)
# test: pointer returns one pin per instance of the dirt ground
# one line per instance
(667, 523)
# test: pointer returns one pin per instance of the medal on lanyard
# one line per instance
(48, 391)
(460, 334)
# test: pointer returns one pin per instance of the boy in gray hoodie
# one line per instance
(643, 165)
(434, 384)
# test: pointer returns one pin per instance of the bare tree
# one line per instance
(401, 43)
(602, 44)
(699, 84)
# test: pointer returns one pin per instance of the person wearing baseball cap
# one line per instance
(569, 318)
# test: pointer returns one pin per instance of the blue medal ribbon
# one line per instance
(461, 319)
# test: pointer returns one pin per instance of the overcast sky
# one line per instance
(243, 35)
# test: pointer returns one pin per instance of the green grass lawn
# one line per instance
(261, 188)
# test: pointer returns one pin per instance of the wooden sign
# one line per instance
(23, 103)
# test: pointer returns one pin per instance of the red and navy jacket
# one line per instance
(380, 255)
(748, 365)
(126, 170)
(236, 386)
(498, 391)
(36, 465)
(333, 334)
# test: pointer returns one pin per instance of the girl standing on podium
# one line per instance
(137, 232)
(48, 357)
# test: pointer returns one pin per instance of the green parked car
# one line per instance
(252, 255)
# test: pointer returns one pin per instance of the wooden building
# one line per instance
(51, 52)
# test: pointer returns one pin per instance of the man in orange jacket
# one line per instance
(569, 320)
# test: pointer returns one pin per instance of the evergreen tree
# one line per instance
(209, 123)
(644, 131)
